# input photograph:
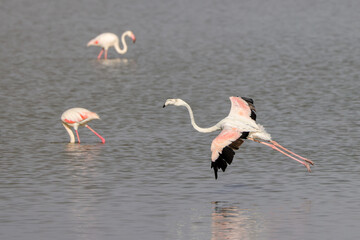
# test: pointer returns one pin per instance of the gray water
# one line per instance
(298, 60)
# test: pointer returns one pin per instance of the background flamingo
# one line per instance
(106, 40)
(239, 125)
(75, 117)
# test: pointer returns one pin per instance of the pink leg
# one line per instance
(102, 139)
(77, 134)
(277, 149)
(105, 57)
(101, 52)
(305, 159)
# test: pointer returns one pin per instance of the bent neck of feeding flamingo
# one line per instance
(71, 134)
(123, 42)
(193, 123)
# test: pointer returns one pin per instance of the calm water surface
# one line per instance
(299, 61)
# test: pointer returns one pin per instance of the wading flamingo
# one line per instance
(75, 117)
(239, 125)
(106, 40)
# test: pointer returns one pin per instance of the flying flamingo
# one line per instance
(106, 40)
(75, 117)
(239, 125)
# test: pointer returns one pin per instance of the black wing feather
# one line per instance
(225, 158)
(250, 102)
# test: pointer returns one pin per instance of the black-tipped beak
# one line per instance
(164, 106)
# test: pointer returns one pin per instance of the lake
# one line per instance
(298, 60)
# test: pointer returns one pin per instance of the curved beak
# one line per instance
(166, 103)
(133, 38)
(89, 43)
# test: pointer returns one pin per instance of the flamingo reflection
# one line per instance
(234, 223)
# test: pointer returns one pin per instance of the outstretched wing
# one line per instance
(223, 146)
(231, 138)
(242, 106)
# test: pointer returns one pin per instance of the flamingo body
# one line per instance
(107, 40)
(75, 117)
(238, 126)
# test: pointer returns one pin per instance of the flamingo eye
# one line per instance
(96, 42)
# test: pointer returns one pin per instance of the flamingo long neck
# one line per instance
(71, 134)
(204, 130)
(123, 42)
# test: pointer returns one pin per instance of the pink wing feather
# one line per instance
(243, 107)
(223, 146)
(230, 139)
(225, 138)
(78, 115)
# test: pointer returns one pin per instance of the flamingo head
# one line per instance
(175, 102)
(93, 42)
(131, 35)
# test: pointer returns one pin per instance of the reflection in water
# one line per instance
(86, 180)
(87, 152)
(232, 222)
(117, 62)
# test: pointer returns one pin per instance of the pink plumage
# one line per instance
(107, 40)
(75, 117)
(238, 126)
